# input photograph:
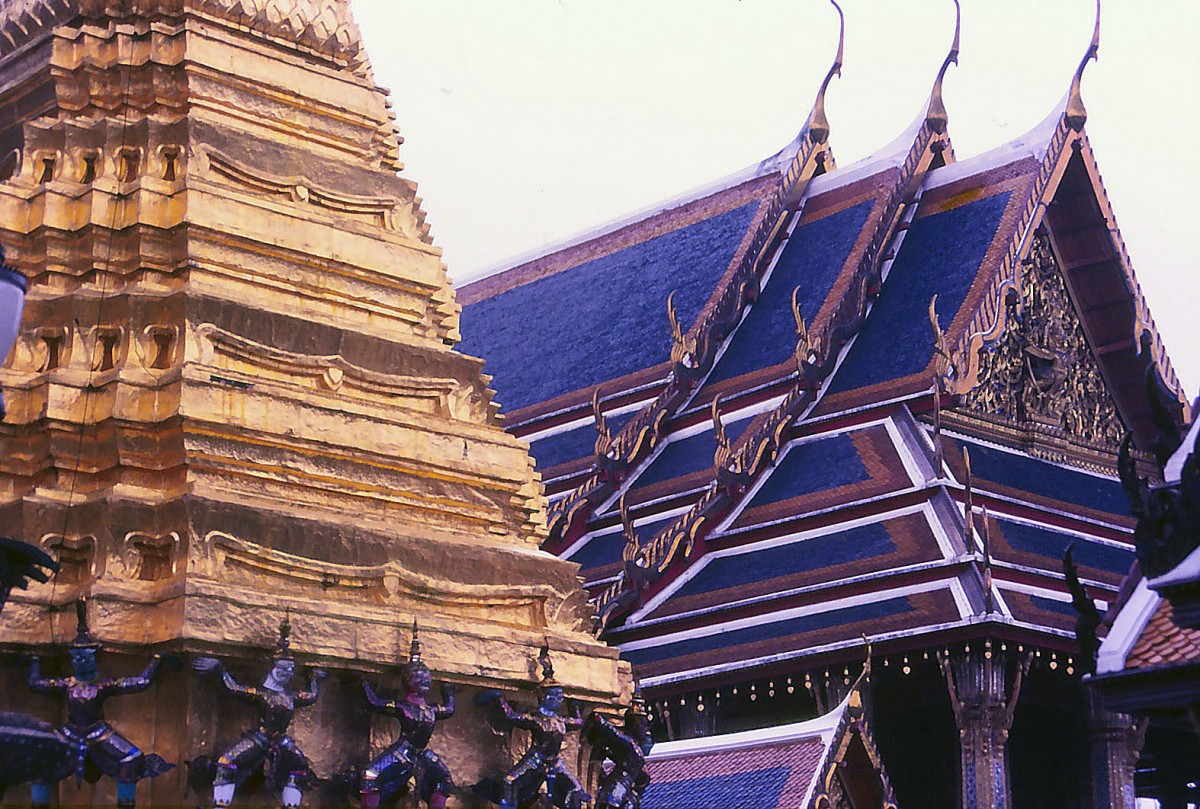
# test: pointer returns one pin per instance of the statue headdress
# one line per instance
(415, 663)
(83, 637)
(544, 661)
(283, 646)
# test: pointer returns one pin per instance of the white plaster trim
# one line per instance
(1186, 572)
(1127, 628)
(1173, 471)
(1053, 595)
(907, 457)
(960, 598)
(1054, 529)
(821, 727)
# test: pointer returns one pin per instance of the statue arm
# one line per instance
(132, 685)
(377, 703)
(446, 709)
(310, 696)
(42, 684)
(517, 718)
(575, 720)
(232, 686)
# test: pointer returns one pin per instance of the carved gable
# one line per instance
(1041, 373)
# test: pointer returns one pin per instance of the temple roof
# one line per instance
(789, 479)
(795, 766)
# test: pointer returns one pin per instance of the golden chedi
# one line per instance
(235, 396)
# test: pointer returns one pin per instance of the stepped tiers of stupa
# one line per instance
(236, 398)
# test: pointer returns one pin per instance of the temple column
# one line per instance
(983, 703)
(1116, 744)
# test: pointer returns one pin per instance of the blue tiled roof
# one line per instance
(571, 445)
(785, 560)
(1052, 545)
(605, 549)
(756, 789)
(769, 631)
(812, 466)
(602, 319)
(941, 255)
(687, 455)
(811, 260)
(1050, 480)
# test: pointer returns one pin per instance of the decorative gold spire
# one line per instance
(1076, 113)
(818, 124)
(936, 117)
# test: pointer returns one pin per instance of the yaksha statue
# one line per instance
(409, 758)
(267, 747)
(95, 748)
(541, 763)
(623, 786)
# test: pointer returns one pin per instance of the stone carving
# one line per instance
(92, 746)
(541, 763)
(409, 758)
(267, 747)
(622, 786)
(1041, 371)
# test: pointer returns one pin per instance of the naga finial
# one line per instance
(673, 318)
(818, 124)
(1076, 113)
(803, 343)
(629, 550)
(943, 359)
(936, 116)
(724, 448)
(604, 436)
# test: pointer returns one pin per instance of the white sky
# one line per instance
(528, 121)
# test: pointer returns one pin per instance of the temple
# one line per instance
(235, 405)
(810, 408)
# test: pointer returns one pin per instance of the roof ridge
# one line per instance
(761, 442)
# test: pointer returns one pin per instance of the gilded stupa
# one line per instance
(235, 396)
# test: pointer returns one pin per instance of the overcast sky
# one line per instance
(529, 121)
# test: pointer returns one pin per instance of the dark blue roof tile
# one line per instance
(571, 445)
(687, 455)
(602, 319)
(813, 466)
(1050, 545)
(604, 550)
(755, 789)
(773, 630)
(941, 255)
(838, 548)
(812, 260)
(1031, 474)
